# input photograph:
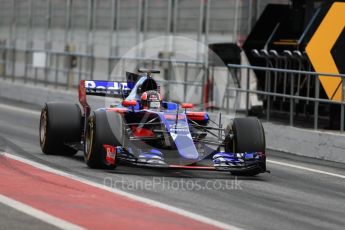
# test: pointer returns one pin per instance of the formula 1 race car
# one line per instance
(144, 130)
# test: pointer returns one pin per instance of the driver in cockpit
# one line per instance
(151, 100)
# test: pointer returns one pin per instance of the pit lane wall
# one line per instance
(303, 142)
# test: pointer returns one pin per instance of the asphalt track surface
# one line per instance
(298, 194)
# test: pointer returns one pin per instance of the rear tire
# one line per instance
(249, 137)
(60, 123)
(103, 127)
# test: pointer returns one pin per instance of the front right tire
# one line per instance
(60, 124)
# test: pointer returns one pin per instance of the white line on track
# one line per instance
(147, 201)
(306, 169)
(62, 224)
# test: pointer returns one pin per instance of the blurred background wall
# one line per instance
(110, 27)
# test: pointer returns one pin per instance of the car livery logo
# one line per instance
(179, 128)
(107, 87)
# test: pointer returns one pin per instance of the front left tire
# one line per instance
(249, 136)
(103, 127)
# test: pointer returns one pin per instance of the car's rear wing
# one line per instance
(108, 88)
(104, 89)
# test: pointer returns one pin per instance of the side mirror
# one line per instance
(187, 105)
(126, 103)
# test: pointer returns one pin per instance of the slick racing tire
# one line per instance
(103, 127)
(249, 136)
(60, 123)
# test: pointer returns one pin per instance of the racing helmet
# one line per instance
(150, 100)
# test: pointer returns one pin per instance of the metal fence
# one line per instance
(64, 70)
(180, 80)
(302, 104)
(297, 101)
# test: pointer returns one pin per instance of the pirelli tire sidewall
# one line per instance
(103, 127)
(249, 135)
(60, 124)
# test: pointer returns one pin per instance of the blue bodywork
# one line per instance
(176, 126)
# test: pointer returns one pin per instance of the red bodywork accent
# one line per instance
(111, 154)
(126, 103)
(187, 105)
(144, 96)
(142, 132)
(196, 116)
(82, 93)
(117, 110)
(82, 98)
(173, 116)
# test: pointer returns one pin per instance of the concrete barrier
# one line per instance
(304, 142)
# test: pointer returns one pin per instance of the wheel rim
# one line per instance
(89, 139)
(43, 127)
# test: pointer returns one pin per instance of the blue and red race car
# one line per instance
(144, 130)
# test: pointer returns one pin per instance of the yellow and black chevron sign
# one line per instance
(326, 49)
